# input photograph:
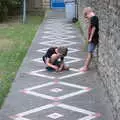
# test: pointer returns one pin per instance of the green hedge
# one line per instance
(9, 7)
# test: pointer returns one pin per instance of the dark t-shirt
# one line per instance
(50, 52)
(94, 22)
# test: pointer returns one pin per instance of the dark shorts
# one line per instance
(91, 47)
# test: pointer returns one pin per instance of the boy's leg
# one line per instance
(52, 61)
(91, 48)
(88, 61)
(65, 67)
(53, 58)
(61, 66)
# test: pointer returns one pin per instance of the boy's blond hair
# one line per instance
(87, 10)
(63, 50)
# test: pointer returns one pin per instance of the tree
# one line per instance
(9, 7)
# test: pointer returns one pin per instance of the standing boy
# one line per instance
(93, 35)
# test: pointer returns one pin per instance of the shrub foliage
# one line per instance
(9, 8)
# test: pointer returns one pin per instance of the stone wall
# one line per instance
(46, 3)
(34, 4)
(109, 48)
(36, 7)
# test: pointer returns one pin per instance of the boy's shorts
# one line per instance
(91, 47)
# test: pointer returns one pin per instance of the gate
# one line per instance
(57, 4)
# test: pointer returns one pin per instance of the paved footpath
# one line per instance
(37, 94)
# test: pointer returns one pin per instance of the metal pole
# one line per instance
(76, 5)
(77, 9)
(24, 11)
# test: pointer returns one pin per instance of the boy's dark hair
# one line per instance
(63, 50)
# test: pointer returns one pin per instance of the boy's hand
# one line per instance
(60, 69)
(89, 40)
(56, 68)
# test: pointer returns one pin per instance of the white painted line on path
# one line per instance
(88, 114)
(70, 75)
(81, 90)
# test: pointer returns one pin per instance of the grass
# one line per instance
(15, 39)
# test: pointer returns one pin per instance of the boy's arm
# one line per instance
(92, 33)
(51, 65)
(61, 65)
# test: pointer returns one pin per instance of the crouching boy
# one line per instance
(54, 58)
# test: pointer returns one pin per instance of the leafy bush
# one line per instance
(8, 7)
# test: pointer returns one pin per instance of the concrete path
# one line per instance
(37, 94)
